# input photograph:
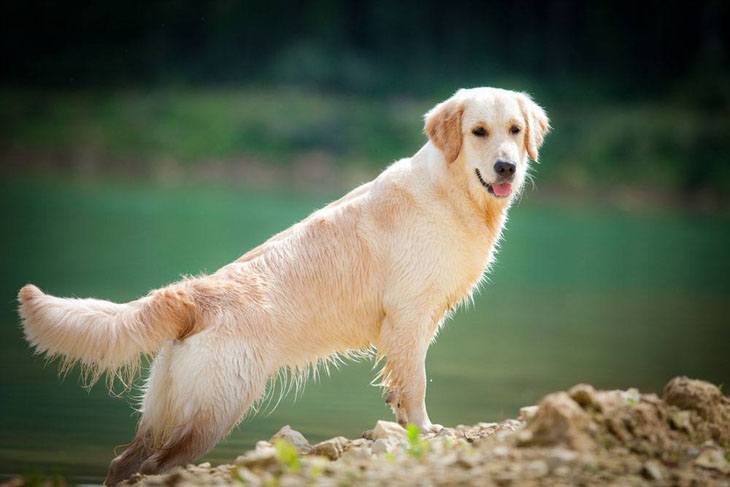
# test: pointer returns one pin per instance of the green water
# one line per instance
(578, 295)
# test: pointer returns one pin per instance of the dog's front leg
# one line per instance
(393, 400)
(404, 345)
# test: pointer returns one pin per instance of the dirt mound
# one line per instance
(712, 418)
(690, 412)
(581, 436)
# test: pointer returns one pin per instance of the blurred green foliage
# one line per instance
(670, 143)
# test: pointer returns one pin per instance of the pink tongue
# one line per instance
(503, 189)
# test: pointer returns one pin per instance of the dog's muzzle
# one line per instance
(500, 189)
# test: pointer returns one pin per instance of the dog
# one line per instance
(380, 268)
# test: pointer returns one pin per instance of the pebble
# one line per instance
(714, 459)
(294, 437)
(682, 421)
(381, 446)
(260, 458)
(537, 469)
(332, 448)
(386, 429)
(652, 470)
(528, 412)
(558, 456)
(500, 451)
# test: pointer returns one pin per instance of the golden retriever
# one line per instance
(381, 267)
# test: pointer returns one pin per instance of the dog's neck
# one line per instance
(460, 188)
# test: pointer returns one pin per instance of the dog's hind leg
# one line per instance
(214, 381)
(128, 463)
(199, 389)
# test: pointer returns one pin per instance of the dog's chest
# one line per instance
(467, 264)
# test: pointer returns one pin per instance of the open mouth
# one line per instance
(500, 190)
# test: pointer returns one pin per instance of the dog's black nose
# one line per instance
(504, 169)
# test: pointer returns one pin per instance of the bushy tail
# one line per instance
(105, 337)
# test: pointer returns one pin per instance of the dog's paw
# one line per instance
(429, 428)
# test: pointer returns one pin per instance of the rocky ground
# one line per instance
(578, 437)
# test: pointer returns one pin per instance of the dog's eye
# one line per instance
(514, 130)
(479, 132)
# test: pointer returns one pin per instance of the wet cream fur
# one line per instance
(379, 268)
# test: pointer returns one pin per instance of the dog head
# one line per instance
(491, 134)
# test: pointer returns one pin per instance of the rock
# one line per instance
(467, 459)
(584, 395)
(289, 481)
(559, 421)
(692, 394)
(682, 420)
(714, 459)
(447, 458)
(706, 400)
(502, 435)
(332, 448)
(527, 412)
(609, 401)
(360, 442)
(652, 470)
(387, 429)
(246, 476)
(537, 469)
(447, 433)
(525, 436)
(381, 446)
(559, 456)
(692, 452)
(500, 451)
(260, 458)
(360, 456)
(294, 437)
(263, 444)
(510, 425)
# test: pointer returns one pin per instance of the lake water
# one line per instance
(612, 298)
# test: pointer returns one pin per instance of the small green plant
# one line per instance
(316, 471)
(287, 455)
(417, 447)
(237, 475)
(448, 443)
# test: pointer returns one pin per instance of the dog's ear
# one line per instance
(443, 127)
(537, 124)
